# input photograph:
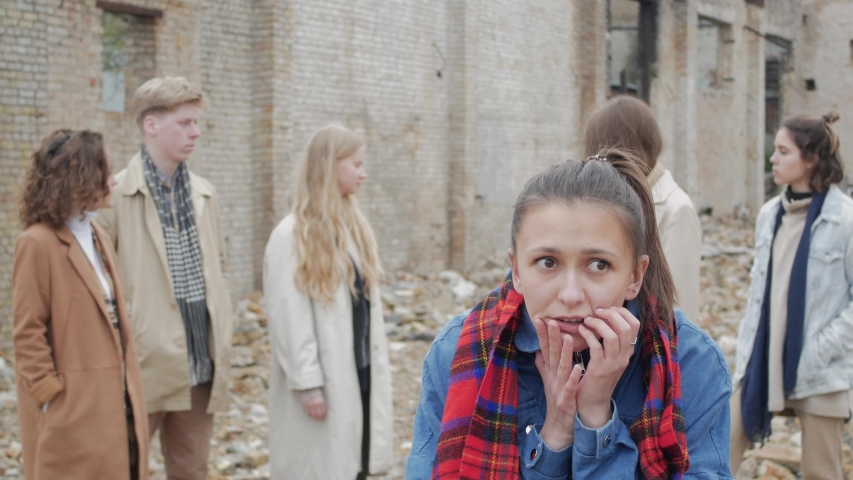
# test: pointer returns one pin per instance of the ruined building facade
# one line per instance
(460, 101)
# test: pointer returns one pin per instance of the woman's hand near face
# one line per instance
(560, 380)
(618, 330)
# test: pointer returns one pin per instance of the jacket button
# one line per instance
(528, 429)
(606, 441)
(173, 305)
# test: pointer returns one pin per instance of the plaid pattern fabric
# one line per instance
(659, 430)
(177, 219)
(479, 426)
(480, 421)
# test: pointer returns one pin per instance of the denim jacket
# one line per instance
(826, 362)
(608, 452)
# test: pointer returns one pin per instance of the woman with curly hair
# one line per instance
(80, 404)
(794, 352)
(330, 382)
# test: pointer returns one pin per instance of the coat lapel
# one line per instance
(84, 269)
(135, 185)
(199, 192)
(112, 266)
(155, 230)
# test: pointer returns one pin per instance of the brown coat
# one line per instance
(133, 226)
(67, 353)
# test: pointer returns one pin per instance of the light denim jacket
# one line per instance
(608, 452)
(826, 363)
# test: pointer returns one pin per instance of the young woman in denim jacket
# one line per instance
(795, 343)
(577, 366)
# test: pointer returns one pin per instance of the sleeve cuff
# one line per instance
(46, 389)
(308, 380)
(597, 443)
(538, 457)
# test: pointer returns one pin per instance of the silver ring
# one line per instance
(635, 340)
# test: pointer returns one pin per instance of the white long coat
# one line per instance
(312, 347)
(681, 238)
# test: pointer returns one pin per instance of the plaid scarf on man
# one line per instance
(479, 427)
(177, 219)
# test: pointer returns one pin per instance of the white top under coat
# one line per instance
(81, 227)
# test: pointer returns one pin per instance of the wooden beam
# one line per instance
(116, 7)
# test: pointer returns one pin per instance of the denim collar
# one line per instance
(526, 339)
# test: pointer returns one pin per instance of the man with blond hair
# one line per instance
(166, 230)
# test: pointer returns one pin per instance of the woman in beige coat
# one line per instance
(80, 403)
(330, 382)
(628, 123)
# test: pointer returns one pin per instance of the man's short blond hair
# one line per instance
(163, 94)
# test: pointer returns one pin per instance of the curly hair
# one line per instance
(69, 173)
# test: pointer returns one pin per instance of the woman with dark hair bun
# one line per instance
(795, 344)
(80, 404)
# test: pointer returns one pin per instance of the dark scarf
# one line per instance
(480, 420)
(184, 256)
(361, 330)
(755, 386)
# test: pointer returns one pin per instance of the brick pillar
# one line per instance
(23, 109)
(755, 115)
(673, 93)
(263, 66)
(462, 138)
(590, 56)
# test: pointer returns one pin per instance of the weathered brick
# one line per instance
(460, 101)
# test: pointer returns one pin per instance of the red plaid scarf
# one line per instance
(479, 427)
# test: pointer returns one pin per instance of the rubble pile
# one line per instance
(416, 308)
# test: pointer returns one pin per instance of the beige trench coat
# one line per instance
(68, 353)
(313, 347)
(681, 238)
(133, 224)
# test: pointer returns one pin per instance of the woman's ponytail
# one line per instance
(614, 178)
(657, 283)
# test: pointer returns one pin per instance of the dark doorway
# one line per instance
(632, 48)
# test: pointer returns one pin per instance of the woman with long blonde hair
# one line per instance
(330, 382)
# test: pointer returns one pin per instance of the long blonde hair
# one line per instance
(323, 217)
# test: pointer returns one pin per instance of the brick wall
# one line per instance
(23, 106)
(518, 94)
(713, 134)
(823, 53)
(459, 101)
